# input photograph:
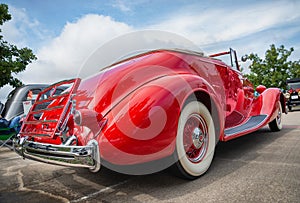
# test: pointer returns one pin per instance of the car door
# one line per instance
(240, 94)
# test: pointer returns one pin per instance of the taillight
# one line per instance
(89, 118)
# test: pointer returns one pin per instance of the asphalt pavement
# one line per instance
(260, 167)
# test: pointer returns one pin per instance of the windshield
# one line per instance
(230, 58)
(294, 86)
(9, 96)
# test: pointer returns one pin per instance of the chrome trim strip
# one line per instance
(64, 155)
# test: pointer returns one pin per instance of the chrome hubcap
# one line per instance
(195, 138)
(279, 117)
(198, 138)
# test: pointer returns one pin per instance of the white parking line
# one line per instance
(11, 158)
(100, 191)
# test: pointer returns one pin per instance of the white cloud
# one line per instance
(21, 28)
(127, 7)
(64, 56)
(225, 24)
(121, 5)
(248, 29)
(11, 31)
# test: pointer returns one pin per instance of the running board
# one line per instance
(252, 123)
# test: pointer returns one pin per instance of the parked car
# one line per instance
(293, 93)
(14, 104)
(13, 109)
(1, 107)
(166, 107)
(18, 104)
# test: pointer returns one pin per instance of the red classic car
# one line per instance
(293, 93)
(166, 107)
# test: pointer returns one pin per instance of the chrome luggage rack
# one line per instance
(36, 127)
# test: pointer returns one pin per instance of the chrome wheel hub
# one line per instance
(195, 138)
(198, 138)
(279, 117)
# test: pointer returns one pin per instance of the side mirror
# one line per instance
(244, 58)
(260, 89)
(1, 107)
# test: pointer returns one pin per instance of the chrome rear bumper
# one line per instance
(74, 156)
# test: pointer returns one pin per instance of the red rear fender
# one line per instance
(143, 126)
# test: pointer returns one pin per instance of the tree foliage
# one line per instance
(275, 69)
(12, 59)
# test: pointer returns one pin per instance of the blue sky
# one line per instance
(63, 33)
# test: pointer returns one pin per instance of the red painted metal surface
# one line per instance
(132, 108)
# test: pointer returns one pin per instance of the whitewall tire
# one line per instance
(276, 124)
(195, 141)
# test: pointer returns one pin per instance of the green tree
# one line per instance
(275, 69)
(12, 59)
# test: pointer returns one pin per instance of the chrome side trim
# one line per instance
(64, 155)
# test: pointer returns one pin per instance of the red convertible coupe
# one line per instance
(161, 108)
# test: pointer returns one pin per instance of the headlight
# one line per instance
(287, 95)
(299, 93)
